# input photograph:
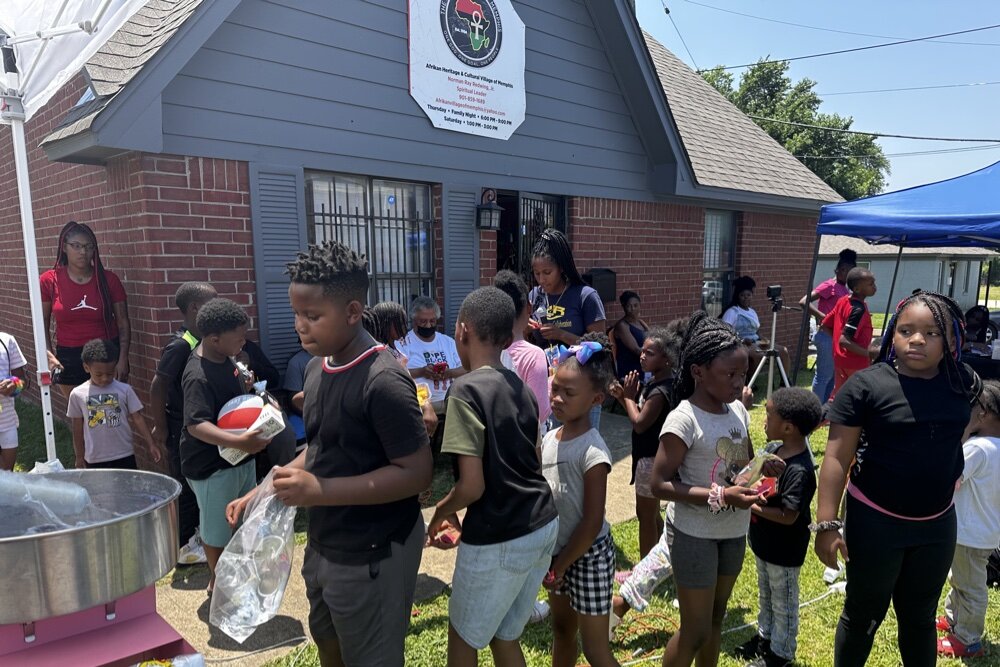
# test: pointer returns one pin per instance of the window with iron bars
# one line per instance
(719, 261)
(389, 222)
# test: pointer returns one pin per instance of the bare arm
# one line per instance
(47, 316)
(595, 491)
(469, 487)
(158, 409)
(138, 422)
(667, 486)
(624, 335)
(78, 444)
(841, 447)
(807, 302)
(213, 435)
(401, 478)
(776, 514)
(645, 417)
(124, 339)
(852, 347)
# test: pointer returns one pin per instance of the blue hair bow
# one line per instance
(582, 351)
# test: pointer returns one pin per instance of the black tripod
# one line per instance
(771, 356)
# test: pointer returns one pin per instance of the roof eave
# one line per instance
(721, 196)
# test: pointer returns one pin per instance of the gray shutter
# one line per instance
(277, 201)
(461, 249)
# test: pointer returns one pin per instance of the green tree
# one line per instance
(852, 164)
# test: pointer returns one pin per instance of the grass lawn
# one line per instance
(641, 637)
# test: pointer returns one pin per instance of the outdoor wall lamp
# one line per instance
(488, 212)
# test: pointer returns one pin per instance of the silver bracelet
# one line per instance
(826, 526)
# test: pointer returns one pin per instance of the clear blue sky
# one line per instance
(717, 38)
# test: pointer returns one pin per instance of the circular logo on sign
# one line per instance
(472, 29)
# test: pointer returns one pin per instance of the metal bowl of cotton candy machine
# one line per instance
(63, 557)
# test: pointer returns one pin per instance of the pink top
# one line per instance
(830, 292)
(533, 369)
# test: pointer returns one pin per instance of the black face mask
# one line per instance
(426, 332)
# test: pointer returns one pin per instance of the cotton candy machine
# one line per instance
(79, 567)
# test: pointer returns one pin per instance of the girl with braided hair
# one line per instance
(87, 301)
(896, 430)
(703, 442)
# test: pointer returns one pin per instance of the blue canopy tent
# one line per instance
(958, 212)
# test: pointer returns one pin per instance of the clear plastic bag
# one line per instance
(253, 571)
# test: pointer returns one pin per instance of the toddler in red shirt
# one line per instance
(850, 327)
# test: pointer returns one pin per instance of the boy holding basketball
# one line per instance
(210, 380)
(368, 458)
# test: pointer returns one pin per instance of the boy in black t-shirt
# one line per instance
(166, 405)
(510, 527)
(210, 380)
(368, 458)
(779, 528)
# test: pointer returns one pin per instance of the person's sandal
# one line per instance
(952, 647)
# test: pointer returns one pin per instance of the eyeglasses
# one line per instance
(81, 247)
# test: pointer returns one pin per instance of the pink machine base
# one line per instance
(133, 633)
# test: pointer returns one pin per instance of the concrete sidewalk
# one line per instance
(182, 601)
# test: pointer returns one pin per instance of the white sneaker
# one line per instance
(193, 552)
(539, 612)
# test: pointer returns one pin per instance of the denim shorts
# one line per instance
(495, 586)
(213, 494)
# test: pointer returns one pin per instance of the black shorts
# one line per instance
(72, 373)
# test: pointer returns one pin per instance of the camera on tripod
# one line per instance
(774, 294)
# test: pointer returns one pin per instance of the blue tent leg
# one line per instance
(888, 303)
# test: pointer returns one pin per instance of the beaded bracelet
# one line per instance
(826, 526)
(716, 499)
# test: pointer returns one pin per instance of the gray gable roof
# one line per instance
(724, 147)
(831, 245)
(122, 57)
(728, 156)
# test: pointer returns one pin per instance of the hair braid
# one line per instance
(949, 318)
(390, 316)
(73, 228)
(705, 338)
(554, 245)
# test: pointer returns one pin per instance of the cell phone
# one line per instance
(55, 374)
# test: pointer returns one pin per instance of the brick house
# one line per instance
(212, 140)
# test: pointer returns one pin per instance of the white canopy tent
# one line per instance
(43, 44)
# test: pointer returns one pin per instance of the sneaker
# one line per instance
(944, 624)
(539, 612)
(193, 552)
(952, 647)
(770, 659)
(755, 647)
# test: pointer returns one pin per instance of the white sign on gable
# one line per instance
(467, 65)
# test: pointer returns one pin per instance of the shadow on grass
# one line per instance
(279, 629)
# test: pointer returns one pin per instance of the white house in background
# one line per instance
(951, 271)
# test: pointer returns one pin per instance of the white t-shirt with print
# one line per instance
(420, 353)
(10, 358)
(564, 465)
(977, 501)
(710, 437)
(107, 434)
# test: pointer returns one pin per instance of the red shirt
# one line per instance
(851, 318)
(78, 309)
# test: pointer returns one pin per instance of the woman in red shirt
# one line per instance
(87, 301)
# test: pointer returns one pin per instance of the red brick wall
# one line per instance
(487, 257)
(160, 220)
(777, 249)
(655, 249)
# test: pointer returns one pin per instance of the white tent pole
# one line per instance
(34, 289)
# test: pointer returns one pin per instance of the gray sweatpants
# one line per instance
(968, 598)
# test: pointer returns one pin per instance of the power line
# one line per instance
(824, 29)
(858, 48)
(872, 134)
(896, 90)
(678, 31)
(942, 151)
